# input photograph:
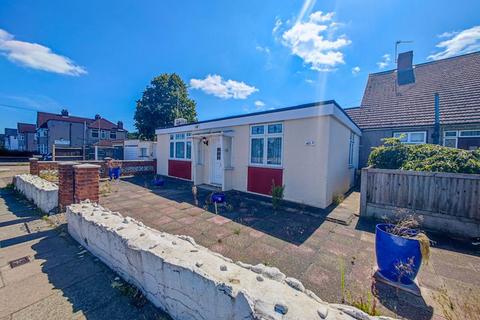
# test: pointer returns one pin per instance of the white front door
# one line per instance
(216, 170)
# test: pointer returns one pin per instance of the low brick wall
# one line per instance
(42, 192)
(128, 167)
(189, 281)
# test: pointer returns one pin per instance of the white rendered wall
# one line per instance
(42, 192)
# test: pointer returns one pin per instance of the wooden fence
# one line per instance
(446, 196)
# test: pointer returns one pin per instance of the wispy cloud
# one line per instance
(278, 24)
(36, 56)
(355, 70)
(259, 105)
(225, 89)
(386, 59)
(461, 42)
(313, 41)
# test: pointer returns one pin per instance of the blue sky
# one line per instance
(244, 56)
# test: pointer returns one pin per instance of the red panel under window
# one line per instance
(260, 180)
(180, 169)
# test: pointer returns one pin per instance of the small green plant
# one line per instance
(338, 198)
(277, 195)
(10, 186)
(365, 302)
(237, 231)
(49, 175)
(105, 188)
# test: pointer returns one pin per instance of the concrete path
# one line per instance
(60, 279)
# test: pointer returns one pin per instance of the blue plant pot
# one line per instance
(218, 197)
(159, 182)
(392, 251)
(114, 173)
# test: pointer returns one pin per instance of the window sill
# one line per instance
(265, 166)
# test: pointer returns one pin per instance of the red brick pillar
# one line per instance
(33, 166)
(86, 182)
(66, 184)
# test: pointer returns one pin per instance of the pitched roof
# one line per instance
(26, 128)
(43, 117)
(102, 124)
(10, 132)
(456, 80)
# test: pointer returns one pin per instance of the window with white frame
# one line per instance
(266, 144)
(94, 133)
(350, 149)
(180, 146)
(143, 152)
(113, 135)
(417, 137)
(103, 134)
(450, 139)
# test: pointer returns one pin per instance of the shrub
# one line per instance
(424, 157)
(277, 195)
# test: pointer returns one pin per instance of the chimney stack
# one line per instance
(64, 112)
(119, 125)
(405, 74)
(98, 117)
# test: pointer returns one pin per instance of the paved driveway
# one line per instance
(316, 257)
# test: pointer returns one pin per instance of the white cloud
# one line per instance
(355, 70)
(36, 56)
(259, 104)
(309, 81)
(306, 9)
(278, 24)
(382, 64)
(447, 34)
(462, 42)
(265, 50)
(312, 41)
(225, 89)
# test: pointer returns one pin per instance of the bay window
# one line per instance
(266, 142)
(180, 146)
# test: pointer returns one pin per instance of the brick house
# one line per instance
(435, 102)
(27, 140)
(70, 131)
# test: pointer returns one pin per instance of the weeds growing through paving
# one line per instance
(455, 309)
(365, 302)
(277, 195)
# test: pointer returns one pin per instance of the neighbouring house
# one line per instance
(64, 130)
(2, 141)
(312, 149)
(27, 137)
(135, 149)
(11, 139)
(435, 102)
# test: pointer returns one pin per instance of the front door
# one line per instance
(216, 176)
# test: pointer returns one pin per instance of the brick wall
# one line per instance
(34, 166)
(66, 184)
(86, 182)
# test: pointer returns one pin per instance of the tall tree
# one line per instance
(164, 100)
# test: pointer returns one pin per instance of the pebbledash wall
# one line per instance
(189, 281)
(315, 154)
(41, 192)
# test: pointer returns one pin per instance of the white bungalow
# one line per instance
(312, 149)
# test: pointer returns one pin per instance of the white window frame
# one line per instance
(265, 135)
(176, 137)
(143, 154)
(409, 134)
(351, 145)
(103, 134)
(96, 131)
(114, 133)
(450, 137)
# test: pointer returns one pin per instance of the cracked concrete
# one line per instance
(42, 192)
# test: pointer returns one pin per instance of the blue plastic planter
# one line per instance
(159, 182)
(218, 197)
(391, 250)
(114, 173)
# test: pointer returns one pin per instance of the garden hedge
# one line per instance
(424, 157)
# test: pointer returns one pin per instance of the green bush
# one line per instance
(424, 157)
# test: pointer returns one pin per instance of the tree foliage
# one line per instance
(424, 157)
(164, 100)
